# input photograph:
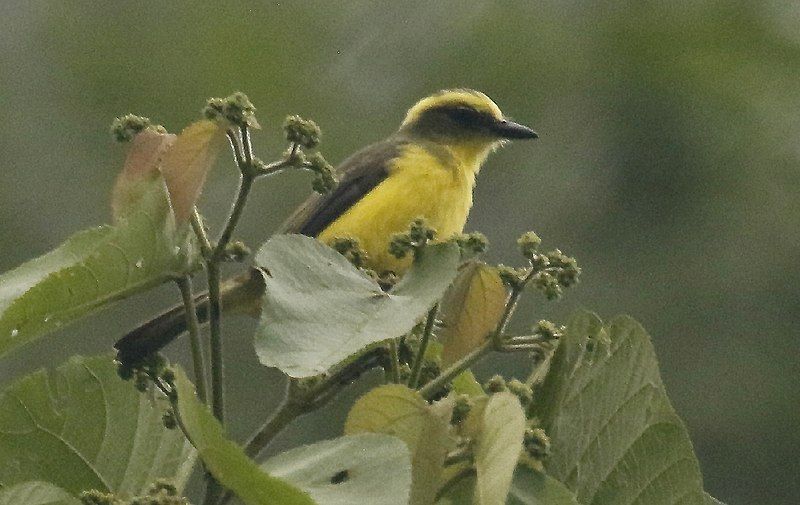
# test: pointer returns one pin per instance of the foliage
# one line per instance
(591, 424)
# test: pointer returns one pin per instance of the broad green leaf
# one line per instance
(470, 310)
(368, 468)
(93, 268)
(36, 493)
(187, 163)
(615, 437)
(399, 411)
(318, 309)
(82, 427)
(535, 488)
(501, 425)
(227, 461)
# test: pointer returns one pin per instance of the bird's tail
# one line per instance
(239, 295)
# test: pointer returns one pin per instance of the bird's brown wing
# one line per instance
(358, 175)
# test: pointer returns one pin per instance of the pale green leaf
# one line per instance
(399, 411)
(470, 310)
(615, 437)
(368, 468)
(227, 461)
(93, 268)
(498, 446)
(318, 309)
(84, 428)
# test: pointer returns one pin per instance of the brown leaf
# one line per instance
(187, 163)
(141, 166)
(471, 310)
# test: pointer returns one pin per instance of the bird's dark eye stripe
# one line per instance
(466, 116)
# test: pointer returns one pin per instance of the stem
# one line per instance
(193, 326)
(290, 408)
(413, 381)
(245, 185)
(427, 391)
(200, 231)
(394, 362)
(447, 486)
(493, 342)
(215, 329)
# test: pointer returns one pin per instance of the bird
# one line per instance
(426, 169)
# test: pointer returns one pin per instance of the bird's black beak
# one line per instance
(511, 130)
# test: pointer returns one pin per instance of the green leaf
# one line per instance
(93, 268)
(535, 488)
(501, 427)
(615, 437)
(227, 461)
(471, 310)
(399, 411)
(36, 493)
(84, 428)
(367, 468)
(318, 309)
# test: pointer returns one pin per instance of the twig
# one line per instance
(413, 381)
(193, 327)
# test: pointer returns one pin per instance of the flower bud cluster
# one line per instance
(236, 108)
(417, 237)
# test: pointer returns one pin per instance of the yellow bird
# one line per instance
(424, 170)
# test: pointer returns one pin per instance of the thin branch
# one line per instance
(193, 327)
(413, 381)
(200, 231)
(394, 362)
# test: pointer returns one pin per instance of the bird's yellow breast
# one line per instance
(432, 183)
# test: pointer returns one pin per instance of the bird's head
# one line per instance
(462, 117)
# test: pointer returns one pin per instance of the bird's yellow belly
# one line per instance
(418, 185)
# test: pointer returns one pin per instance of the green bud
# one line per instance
(521, 391)
(125, 128)
(387, 279)
(324, 181)
(169, 420)
(237, 251)
(536, 443)
(547, 284)
(547, 330)
(420, 233)
(236, 109)
(472, 244)
(528, 243)
(510, 276)
(539, 262)
(304, 132)
(495, 385)
(400, 245)
(350, 249)
(461, 409)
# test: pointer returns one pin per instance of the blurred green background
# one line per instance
(668, 165)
